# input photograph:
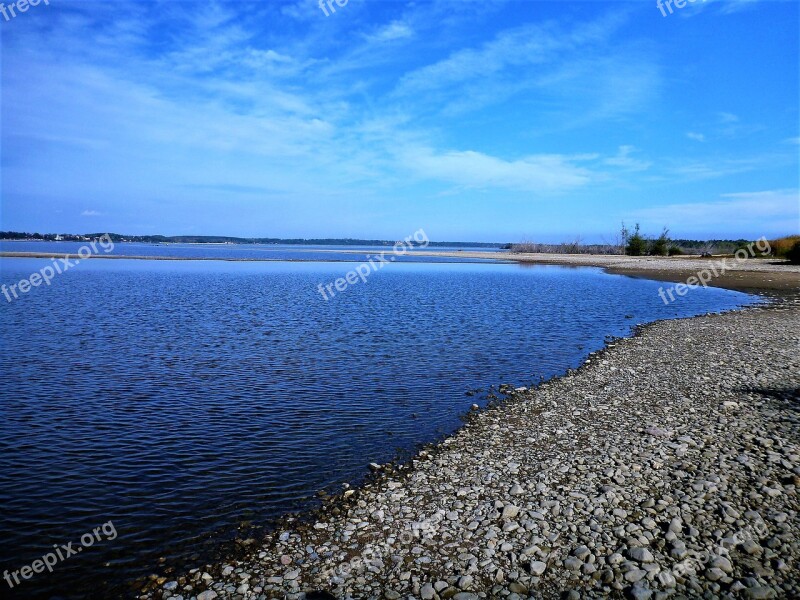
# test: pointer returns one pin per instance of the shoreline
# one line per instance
(755, 276)
(436, 527)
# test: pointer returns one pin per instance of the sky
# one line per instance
(474, 120)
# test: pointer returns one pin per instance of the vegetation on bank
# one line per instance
(632, 242)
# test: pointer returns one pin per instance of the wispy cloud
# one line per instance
(625, 160)
(540, 173)
(397, 30)
(697, 137)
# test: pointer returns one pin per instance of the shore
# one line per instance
(668, 465)
(750, 275)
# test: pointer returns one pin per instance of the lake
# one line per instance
(181, 399)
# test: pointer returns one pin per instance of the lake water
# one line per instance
(180, 399)
(286, 252)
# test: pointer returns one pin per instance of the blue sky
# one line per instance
(474, 120)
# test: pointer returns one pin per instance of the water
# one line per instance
(242, 251)
(178, 399)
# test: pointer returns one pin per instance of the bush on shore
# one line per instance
(794, 253)
(782, 247)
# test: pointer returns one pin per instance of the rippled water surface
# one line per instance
(240, 251)
(179, 399)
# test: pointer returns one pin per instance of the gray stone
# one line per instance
(538, 567)
(642, 555)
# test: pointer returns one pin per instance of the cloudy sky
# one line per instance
(483, 120)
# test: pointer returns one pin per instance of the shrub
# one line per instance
(675, 251)
(637, 245)
(782, 246)
(794, 254)
(660, 245)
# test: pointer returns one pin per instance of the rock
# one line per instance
(573, 563)
(427, 592)
(581, 552)
(465, 582)
(722, 563)
(391, 595)
(642, 555)
(517, 588)
(637, 592)
(675, 525)
(510, 511)
(538, 567)
(759, 593)
(658, 432)
(207, 595)
(516, 490)
(635, 575)
(615, 559)
(714, 574)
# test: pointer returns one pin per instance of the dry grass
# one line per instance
(781, 246)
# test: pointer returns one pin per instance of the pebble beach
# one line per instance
(667, 466)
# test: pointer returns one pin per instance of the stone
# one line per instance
(642, 555)
(635, 575)
(638, 592)
(538, 567)
(581, 552)
(465, 582)
(427, 592)
(722, 563)
(759, 593)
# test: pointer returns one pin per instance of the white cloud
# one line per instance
(726, 118)
(91, 213)
(396, 30)
(624, 160)
(697, 137)
(538, 173)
